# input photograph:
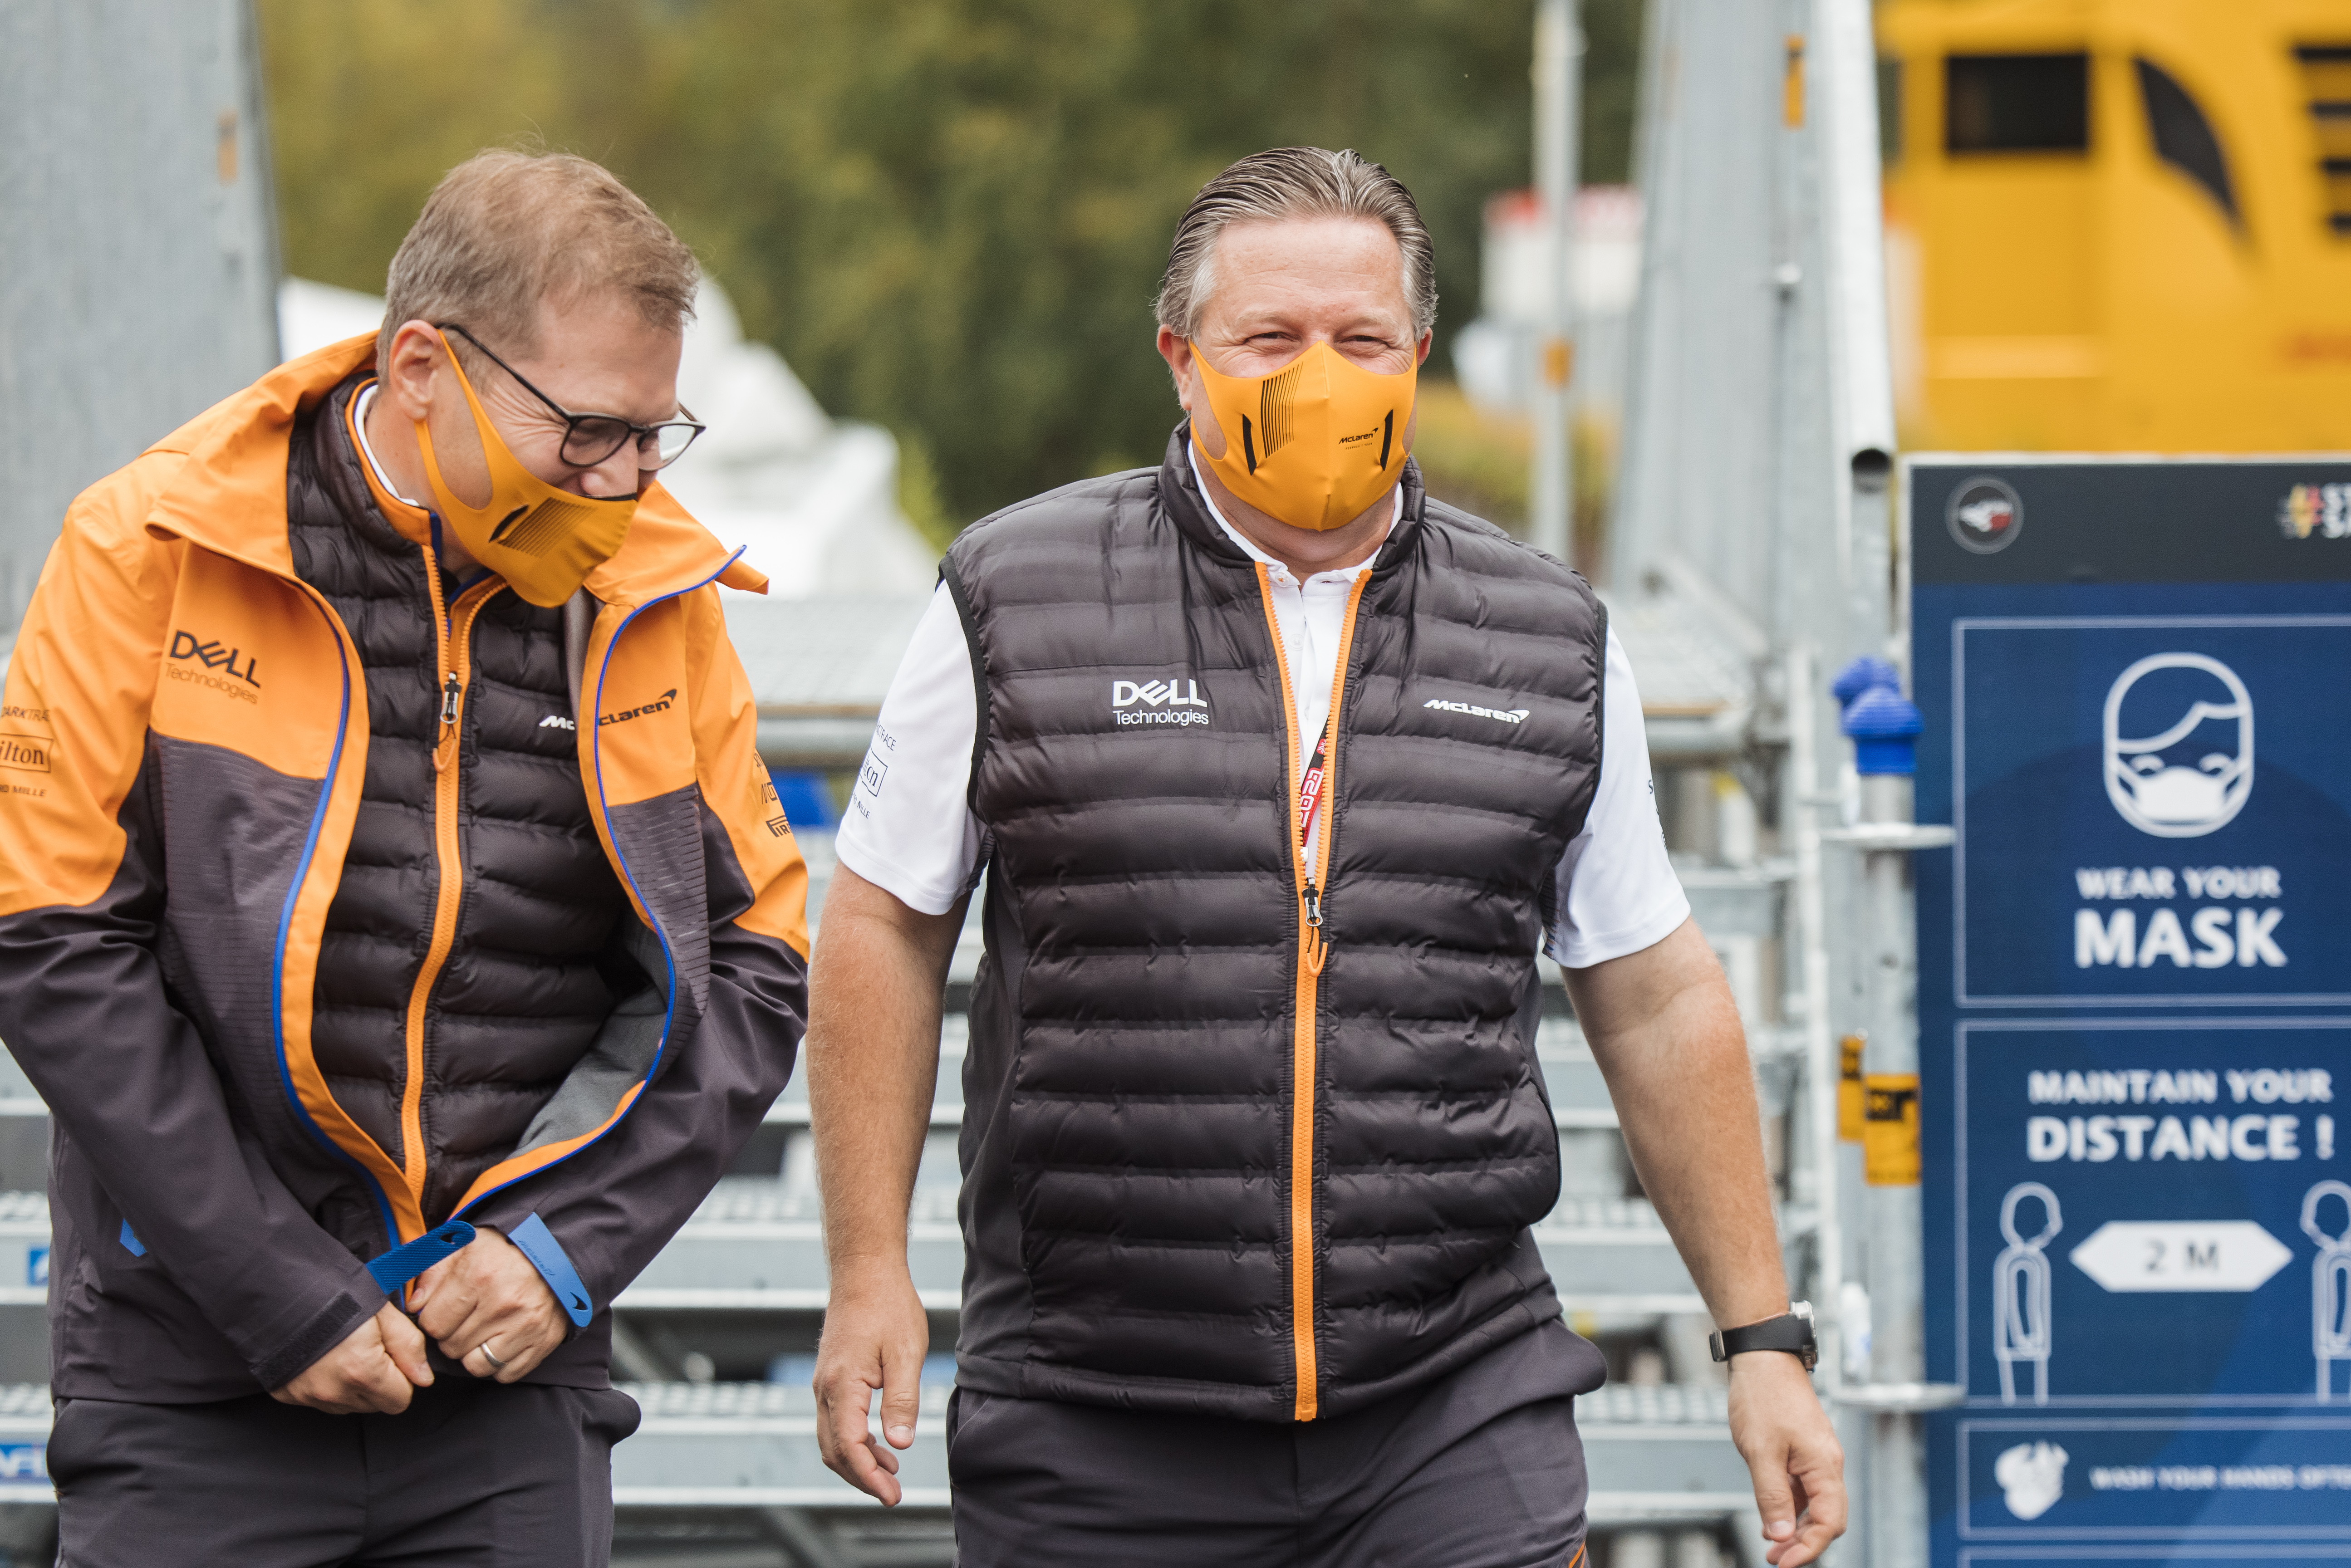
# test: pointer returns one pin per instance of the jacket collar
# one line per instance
(1179, 492)
(229, 495)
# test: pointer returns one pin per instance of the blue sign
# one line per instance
(2134, 1006)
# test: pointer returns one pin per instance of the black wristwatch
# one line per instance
(1792, 1330)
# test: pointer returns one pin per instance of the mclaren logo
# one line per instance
(1508, 715)
(1168, 702)
(659, 704)
(557, 721)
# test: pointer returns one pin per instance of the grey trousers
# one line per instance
(472, 1475)
(1481, 1469)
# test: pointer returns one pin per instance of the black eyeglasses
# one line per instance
(590, 438)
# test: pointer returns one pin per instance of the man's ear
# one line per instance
(409, 376)
(1428, 341)
(1179, 355)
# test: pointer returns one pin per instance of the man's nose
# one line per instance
(616, 475)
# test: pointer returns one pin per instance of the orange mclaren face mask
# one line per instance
(544, 541)
(1315, 443)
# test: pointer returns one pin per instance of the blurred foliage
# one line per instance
(1474, 459)
(1481, 461)
(949, 216)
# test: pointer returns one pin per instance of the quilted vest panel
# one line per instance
(1133, 1230)
(532, 971)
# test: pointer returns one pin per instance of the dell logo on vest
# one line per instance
(1164, 702)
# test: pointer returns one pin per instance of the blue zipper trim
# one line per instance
(285, 926)
(669, 958)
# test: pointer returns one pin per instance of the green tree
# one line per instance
(949, 216)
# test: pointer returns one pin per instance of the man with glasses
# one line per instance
(398, 920)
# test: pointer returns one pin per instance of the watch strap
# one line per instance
(1789, 1332)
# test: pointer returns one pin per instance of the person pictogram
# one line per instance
(2019, 1294)
(2330, 1284)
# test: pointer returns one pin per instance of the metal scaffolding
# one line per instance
(138, 264)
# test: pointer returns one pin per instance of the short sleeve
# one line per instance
(1617, 893)
(909, 829)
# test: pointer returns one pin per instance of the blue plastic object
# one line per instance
(1861, 675)
(806, 799)
(410, 1258)
(547, 1255)
(1884, 725)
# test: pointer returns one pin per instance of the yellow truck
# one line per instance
(2119, 224)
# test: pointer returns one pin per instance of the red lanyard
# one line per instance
(1310, 784)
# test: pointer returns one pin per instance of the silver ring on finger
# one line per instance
(491, 1356)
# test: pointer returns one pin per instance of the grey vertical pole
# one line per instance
(1558, 70)
(1884, 730)
(1898, 1349)
(138, 264)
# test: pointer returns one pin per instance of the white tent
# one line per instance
(811, 501)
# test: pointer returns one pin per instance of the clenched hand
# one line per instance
(374, 1371)
(487, 1293)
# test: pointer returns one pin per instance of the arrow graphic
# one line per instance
(2181, 1255)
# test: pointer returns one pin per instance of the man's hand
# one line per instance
(487, 1293)
(874, 1337)
(1791, 1452)
(873, 1063)
(372, 1372)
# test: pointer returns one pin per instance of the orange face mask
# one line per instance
(1312, 445)
(544, 541)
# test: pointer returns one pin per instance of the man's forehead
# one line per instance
(1273, 269)
(603, 352)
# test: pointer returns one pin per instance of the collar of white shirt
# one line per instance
(1280, 572)
(359, 426)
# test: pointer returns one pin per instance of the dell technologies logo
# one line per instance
(1161, 702)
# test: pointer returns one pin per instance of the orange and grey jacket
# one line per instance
(184, 753)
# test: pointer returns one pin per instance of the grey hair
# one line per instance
(1293, 182)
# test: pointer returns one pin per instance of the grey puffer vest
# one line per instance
(533, 967)
(1219, 1159)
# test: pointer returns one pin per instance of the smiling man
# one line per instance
(1281, 773)
(400, 927)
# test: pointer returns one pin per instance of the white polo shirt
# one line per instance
(910, 830)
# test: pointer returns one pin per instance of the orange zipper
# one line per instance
(1313, 886)
(451, 634)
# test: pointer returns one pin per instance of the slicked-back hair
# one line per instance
(506, 230)
(1293, 182)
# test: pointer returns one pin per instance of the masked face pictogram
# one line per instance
(2178, 745)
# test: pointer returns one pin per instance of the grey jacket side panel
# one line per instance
(120, 1013)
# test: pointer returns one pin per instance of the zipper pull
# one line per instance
(1317, 948)
(450, 691)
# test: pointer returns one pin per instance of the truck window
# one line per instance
(2016, 103)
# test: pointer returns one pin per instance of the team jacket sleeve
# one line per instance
(83, 1002)
(611, 1207)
